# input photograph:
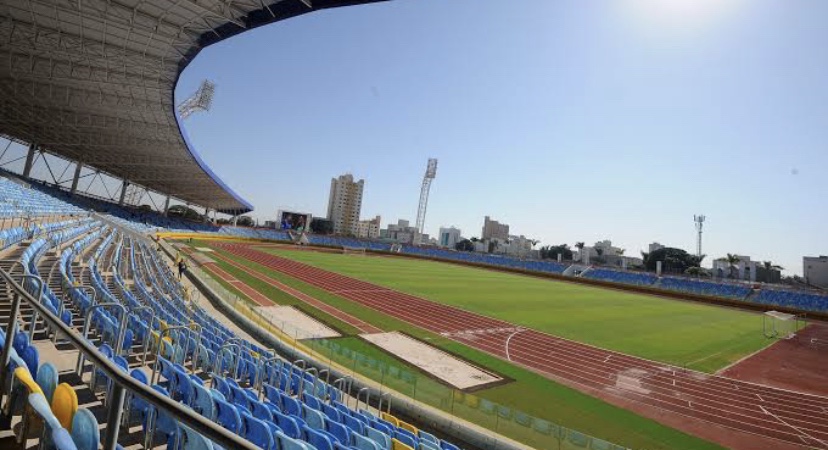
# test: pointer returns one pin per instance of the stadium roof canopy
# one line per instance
(93, 81)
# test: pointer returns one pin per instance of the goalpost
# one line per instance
(779, 325)
(353, 251)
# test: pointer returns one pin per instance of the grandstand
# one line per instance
(148, 366)
(139, 320)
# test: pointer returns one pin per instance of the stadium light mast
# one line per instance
(699, 220)
(430, 173)
(200, 101)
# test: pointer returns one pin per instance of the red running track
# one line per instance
(775, 414)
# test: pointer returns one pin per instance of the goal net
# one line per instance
(779, 325)
(353, 251)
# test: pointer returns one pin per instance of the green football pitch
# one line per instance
(683, 333)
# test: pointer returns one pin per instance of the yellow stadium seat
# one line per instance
(397, 445)
(409, 427)
(65, 404)
(23, 375)
(390, 418)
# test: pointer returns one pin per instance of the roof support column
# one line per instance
(166, 205)
(123, 193)
(78, 167)
(27, 169)
(235, 220)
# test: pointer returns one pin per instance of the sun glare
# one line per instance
(678, 13)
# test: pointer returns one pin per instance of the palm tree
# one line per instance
(621, 251)
(579, 246)
(732, 260)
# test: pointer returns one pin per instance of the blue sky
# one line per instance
(575, 120)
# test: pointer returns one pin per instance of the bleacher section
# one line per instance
(791, 299)
(492, 260)
(701, 287)
(153, 333)
(615, 276)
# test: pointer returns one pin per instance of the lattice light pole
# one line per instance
(430, 173)
(699, 220)
(200, 101)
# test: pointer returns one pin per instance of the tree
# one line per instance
(621, 251)
(732, 260)
(599, 251)
(673, 260)
(551, 252)
(464, 246)
(697, 272)
(579, 246)
(474, 239)
(184, 212)
(245, 221)
(771, 266)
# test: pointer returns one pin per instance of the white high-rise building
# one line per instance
(345, 203)
(815, 270)
(449, 237)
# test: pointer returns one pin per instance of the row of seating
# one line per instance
(701, 287)
(616, 276)
(17, 200)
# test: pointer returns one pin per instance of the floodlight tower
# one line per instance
(699, 220)
(200, 101)
(430, 173)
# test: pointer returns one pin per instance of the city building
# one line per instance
(655, 246)
(744, 269)
(401, 232)
(815, 270)
(369, 229)
(345, 203)
(449, 237)
(493, 229)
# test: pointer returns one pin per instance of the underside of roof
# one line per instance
(93, 81)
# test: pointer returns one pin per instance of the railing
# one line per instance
(122, 381)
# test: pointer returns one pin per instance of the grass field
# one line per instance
(701, 337)
(530, 393)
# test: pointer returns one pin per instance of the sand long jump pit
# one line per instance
(297, 324)
(444, 366)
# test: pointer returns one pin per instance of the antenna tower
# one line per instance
(430, 173)
(200, 101)
(699, 220)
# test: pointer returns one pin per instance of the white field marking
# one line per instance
(509, 339)
(674, 381)
(607, 358)
(462, 333)
(760, 398)
(798, 430)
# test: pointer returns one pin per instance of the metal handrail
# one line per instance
(121, 380)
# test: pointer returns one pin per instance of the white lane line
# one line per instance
(798, 430)
(760, 398)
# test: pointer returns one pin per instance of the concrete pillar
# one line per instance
(27, 168)
(658, 268)
(78, 167)
(560, 257)
(235, 220)
(624, 262)
(167, 205)
(123, 192)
